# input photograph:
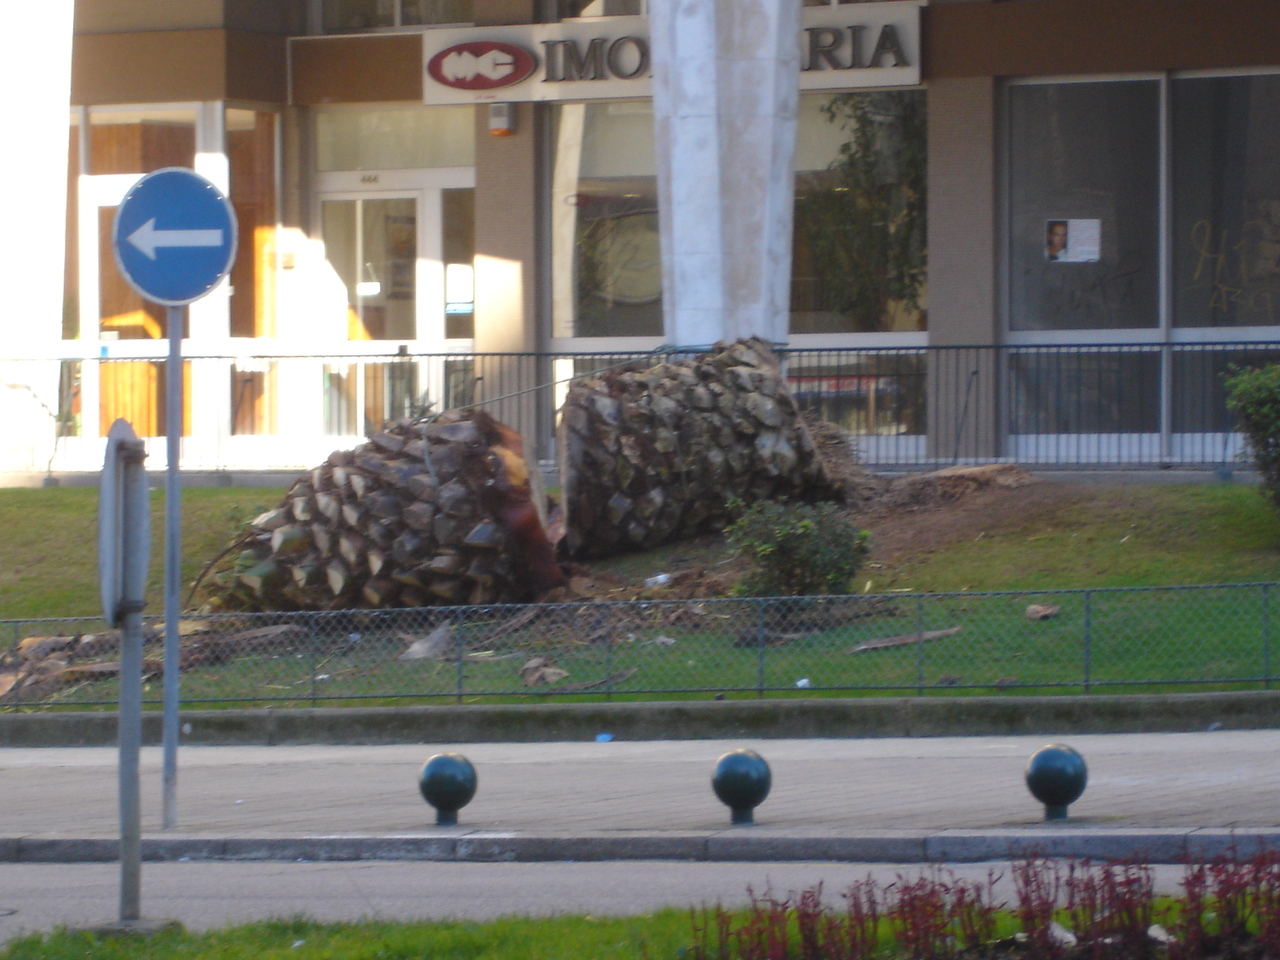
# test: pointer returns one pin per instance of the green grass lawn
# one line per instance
(647, 937)
(1210, 638)
(49, 550)
(1127, 536)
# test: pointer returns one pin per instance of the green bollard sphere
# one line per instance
(1056, 776)
(447, 782)
(741, 780)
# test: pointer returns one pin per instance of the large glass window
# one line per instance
(606, 264)
(1226, 201)
(859, 250)
(859, 254)
(1084, 203)
(400, 137)
(340, 16)
(458, 240)
(601, 8)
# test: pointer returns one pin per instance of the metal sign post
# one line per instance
(174, 239)
(124, 546)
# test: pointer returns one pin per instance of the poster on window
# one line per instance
(1073, 241)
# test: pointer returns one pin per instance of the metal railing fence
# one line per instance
(1111, 405)
(1061, 641)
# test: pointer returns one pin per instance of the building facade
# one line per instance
(1022, 229)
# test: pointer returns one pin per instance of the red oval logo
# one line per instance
(481, 65)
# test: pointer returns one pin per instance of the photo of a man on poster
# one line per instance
(1055, 242)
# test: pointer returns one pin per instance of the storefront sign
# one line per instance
(842, 47)
(481, 65)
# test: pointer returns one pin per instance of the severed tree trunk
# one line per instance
(439, 511)
(447, 511)
(650, 454)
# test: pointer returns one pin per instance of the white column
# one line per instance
(725, 88)
(35, 72)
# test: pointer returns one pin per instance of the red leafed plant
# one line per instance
(1228, 909)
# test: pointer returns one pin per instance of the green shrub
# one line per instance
(1253, 395)
(798, 549)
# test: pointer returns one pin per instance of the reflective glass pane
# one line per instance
(1084, 205)
(436, 11)
(343, 15)
(459, 229)
(601, 8)
(1226, 201)
(395, 138)
(372, 246)
(858, 245)
(606, 262)
(1096, 392)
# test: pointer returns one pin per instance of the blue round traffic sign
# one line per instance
(174, 236)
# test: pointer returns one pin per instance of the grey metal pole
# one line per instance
(130, 744)
(135, 537)
(172, 564)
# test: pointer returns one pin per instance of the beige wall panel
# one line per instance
(369, 69)
(962, 266)
(129, 16)
(506, 228)
(1097, 36)
(163, 67)
(962, 204)
(133, 16)
(506, 266)
(178, 65)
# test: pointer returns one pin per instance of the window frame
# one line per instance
(1165, 331)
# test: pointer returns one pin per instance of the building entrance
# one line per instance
(403, 256)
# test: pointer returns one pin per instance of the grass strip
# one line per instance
(643, 937)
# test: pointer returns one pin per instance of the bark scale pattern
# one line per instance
(654, 453)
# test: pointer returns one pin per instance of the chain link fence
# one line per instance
(953, 644)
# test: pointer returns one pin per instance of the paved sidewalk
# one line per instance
(1162, 796)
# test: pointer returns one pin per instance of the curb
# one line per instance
(871, 717)
(948, 846)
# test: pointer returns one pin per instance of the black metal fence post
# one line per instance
(312, 664)
(920, 646)
(1088, 640)
(761, 642)
(459, 632)
(1266, 636)
(610, 640)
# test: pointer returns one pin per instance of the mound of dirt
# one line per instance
(922, 490)
(905, 514)
(866, 491)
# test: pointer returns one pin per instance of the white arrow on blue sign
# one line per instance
(174, 236)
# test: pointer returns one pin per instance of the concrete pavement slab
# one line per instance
(903, 799)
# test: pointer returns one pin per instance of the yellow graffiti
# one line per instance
(1222, 264)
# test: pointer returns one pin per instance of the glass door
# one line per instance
(404, 260)
(372, 245)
